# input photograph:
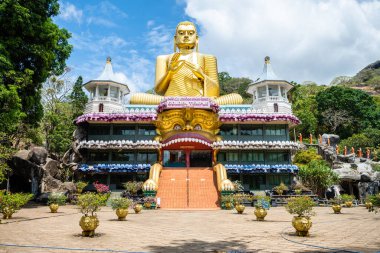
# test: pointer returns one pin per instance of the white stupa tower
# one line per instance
(106, 94)
(270, 92)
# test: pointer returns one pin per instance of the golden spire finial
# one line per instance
(267, 59)
(108, 59)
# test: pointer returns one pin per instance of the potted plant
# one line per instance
(336, 204)
(239, 199)
(80, 186)
(133, 187)
(89, 203)
(11, 203)
(262, 203)
(104, 192)
(347, 199)
(121, 206)
(149, 201)
(368, 202)
(375, 201)
(227, 201)
(298, 188)
(280, 188)
(56, 199)
(303, 207)
(137, 207)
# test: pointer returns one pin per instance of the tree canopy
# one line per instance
(346, 111)
(32, 47)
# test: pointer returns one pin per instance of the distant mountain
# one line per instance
(367, 79)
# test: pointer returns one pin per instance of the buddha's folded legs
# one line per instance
(146, 99)
(229, 99)
(151, 99)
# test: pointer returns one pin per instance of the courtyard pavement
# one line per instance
(35, 229)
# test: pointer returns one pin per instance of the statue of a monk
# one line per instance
(186, 73)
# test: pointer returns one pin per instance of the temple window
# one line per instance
(147, 130)
(262, 92)
(98, 156)
(124, 130)
(283, 92)
(273, 90)
(101, 107)
(251, 130)
(257, 157)
(275, 109)
(278, 130)
(227, 130)
(99, 130)
(147, 157)
(123, 156)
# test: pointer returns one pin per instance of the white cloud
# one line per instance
(307, 40)
(100, 21)
(69, 12)
(160, 40)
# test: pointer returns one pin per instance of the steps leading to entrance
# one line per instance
(187, 188)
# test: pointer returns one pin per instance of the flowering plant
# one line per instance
(101, 188)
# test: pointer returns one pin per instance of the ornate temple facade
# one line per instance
(247, 142)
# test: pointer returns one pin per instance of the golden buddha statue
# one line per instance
(186, 72)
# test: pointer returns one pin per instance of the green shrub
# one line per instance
(304, 157)
(80, 186)
(260, 201)
(132, 187)
(347, 198)
(302, 206)
(280, 188)
(103, 198)
(317, 176)
(357, 141)
(14, 201)
(89, 203)
(120, 203)
(57, 198)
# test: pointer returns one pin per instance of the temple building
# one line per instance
(188, 149)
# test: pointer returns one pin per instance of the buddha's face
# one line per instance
(186, 37)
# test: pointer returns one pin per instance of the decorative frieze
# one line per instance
(256, 145)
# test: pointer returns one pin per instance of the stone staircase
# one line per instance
(182, 188)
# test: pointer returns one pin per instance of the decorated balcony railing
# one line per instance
(111, 117)
(272, 99)
(114, 168)
(120, 144)
(256, 145)
(261, 168)
(262, 117)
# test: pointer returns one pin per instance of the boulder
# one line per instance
(52, 168)
(68, 187)
(23, 154)
(346, 158)
(334, 139)
(365, 177)
(39, 155)
(51, 184)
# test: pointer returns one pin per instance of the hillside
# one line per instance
(367, 79)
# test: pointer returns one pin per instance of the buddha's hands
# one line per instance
(175, 64)
(197, 71)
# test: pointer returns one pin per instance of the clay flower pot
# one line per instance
(336, 208)
(88, 225)
(138, 208)
(228, 205)
(260, 213)
(240, 208)
(348, 203)
(121, 213)
(368, 205)
(53, 208)
(8, 212)
(302, 225)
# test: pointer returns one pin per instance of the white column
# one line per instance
(97, 92)
(279, 91)
(267, 97)
(109, 93)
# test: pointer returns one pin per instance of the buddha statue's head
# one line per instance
(186, 36)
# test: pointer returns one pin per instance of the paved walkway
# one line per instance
(190, 231)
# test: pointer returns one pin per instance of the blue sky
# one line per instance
(307, 40)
